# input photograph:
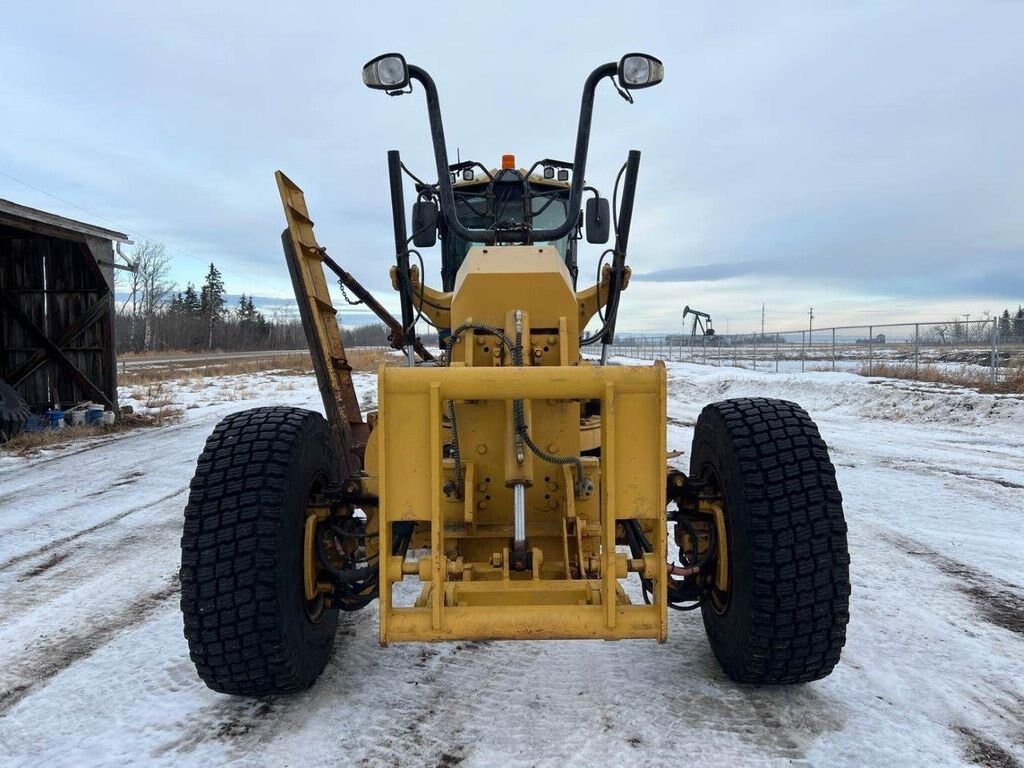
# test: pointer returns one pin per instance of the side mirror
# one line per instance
(424, 224)
(598, 220)
(638, 70)
(388, 72)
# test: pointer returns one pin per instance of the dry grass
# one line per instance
(372, 359)
(159, 404)
(283, 365)
(153, 353)
(1011, 381)
(30, 443)
(287, 365)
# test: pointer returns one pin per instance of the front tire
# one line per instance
(783, 617)
(249, 627)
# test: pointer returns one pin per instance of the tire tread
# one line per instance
(231, 554)
(797, 540)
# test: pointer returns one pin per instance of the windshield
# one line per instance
(501, 208)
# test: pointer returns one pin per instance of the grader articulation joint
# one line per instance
(523, 485)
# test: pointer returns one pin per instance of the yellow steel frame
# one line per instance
(571, 585)
(481, 600)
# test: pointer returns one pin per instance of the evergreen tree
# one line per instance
(211, 301)
(243, 313)
(251, 320)
(1004, 324)
(211, 296)
(190, 303)
(1018, 323)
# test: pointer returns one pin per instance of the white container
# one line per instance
(76, 418)
(108, 419)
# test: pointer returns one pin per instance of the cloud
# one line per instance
(859, 152)
(703, 272)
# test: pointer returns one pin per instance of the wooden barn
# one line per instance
(57, 308)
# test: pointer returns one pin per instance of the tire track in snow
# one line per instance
(240, 725)
(37, 586)
(102, 442)
(981, 750)
(162, 436)
(999, 602)
(51, 545)
(49, 658)
(917, 466)
(435, 727)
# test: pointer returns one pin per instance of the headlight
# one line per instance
(386, 73)
(638, 70)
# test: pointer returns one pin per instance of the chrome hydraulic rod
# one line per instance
(519, 515)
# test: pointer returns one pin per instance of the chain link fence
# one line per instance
(972, 351)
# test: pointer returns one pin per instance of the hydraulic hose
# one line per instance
(518, 411)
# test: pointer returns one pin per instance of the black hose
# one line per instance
(355, 588)
(518, 412)
(519, 417)
(693, 538)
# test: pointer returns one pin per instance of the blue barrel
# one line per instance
(56, 418)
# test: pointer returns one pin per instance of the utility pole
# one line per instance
(967, 325)
(762, 319)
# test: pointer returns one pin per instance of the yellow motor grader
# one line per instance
(523, 486)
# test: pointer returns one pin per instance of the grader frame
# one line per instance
(524, 485)
(471, 588)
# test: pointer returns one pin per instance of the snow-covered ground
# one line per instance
(94, 669)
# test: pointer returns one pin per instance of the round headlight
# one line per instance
(391, 71)
(636, 70)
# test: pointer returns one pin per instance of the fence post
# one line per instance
(995, 348)
(833, 350)
(871, 349)
(803, 349)
(755, 351)
(776, 353)
(917, 351)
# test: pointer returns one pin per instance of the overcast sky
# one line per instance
(866, 159)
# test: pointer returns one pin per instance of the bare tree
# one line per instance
(148, 290)
(132, 300)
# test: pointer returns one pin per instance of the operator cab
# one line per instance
(506, 200)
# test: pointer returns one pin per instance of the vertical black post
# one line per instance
(621, 244)
(401, 250)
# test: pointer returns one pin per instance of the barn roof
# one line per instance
(16, 215)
